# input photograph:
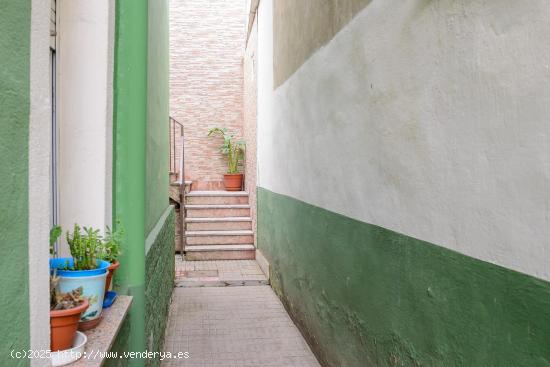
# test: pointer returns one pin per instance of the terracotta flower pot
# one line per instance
(111, 271)
(233, 182)
(63, 325)
(89, 324)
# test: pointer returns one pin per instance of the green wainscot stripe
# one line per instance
(368, 296)
(159, 281)
(15, 23)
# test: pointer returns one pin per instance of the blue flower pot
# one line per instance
(91, 281)
(62, 262)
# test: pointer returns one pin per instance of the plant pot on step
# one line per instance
(111, 271)
(63, 325)
(233, 182)
(235, 152)
(93, 285)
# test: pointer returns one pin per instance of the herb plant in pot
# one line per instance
(65, 312)
(110, 252)
(234, 150)
(84, 269)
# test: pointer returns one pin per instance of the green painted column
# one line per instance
(15, 17)
(130, 121)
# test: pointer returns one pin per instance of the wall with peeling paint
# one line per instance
(367, 296)
(424, 125)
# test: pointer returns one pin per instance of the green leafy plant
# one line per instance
(234, 149)
(85, 247)
(54, 281)
(110, 248)
(55, 232)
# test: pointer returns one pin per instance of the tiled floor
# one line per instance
(218, 273)
(233, 327)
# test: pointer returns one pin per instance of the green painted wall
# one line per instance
(130, 127)
(15, 19)
(160, 272)
(159, 216)
(141, 173)
(369, 296)
(157, 113)
(121, 345)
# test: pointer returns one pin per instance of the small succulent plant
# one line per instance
(87, 246)
(110, 249)
(63, 301)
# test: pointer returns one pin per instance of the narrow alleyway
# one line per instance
(239, 324)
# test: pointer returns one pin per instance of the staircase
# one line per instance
(218, 226)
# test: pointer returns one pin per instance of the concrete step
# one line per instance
(176, 183)
(218, 224)
(217, 211)
(220, 252)
(174, 193)
(174, 189)
(216, 197)
(219, 237)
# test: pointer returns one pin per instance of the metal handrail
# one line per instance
(173, 123)
(179, 172)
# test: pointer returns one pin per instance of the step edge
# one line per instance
(197, 248)
(217, 219)
(216, 193)
(213, 233)
(217, 206)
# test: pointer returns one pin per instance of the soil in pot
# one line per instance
(63, 325)
(233, 182)
(111, 271)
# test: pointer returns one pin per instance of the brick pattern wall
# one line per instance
(207, 39)
(159, 281)
(250, 100)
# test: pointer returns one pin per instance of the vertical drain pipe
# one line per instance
(130, 123)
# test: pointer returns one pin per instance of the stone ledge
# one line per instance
(100, 339)
(263, 263)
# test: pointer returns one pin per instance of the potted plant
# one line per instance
(84, 269)
(234, 149)
(110, 251)
(65, 311)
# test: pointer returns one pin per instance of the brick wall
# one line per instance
(207, 39)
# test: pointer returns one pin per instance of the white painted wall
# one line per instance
(85, 43)
(427, 118)
(39, 179)
(265, 86)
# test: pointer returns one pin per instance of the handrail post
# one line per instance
(180, 173)
(182, 192)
